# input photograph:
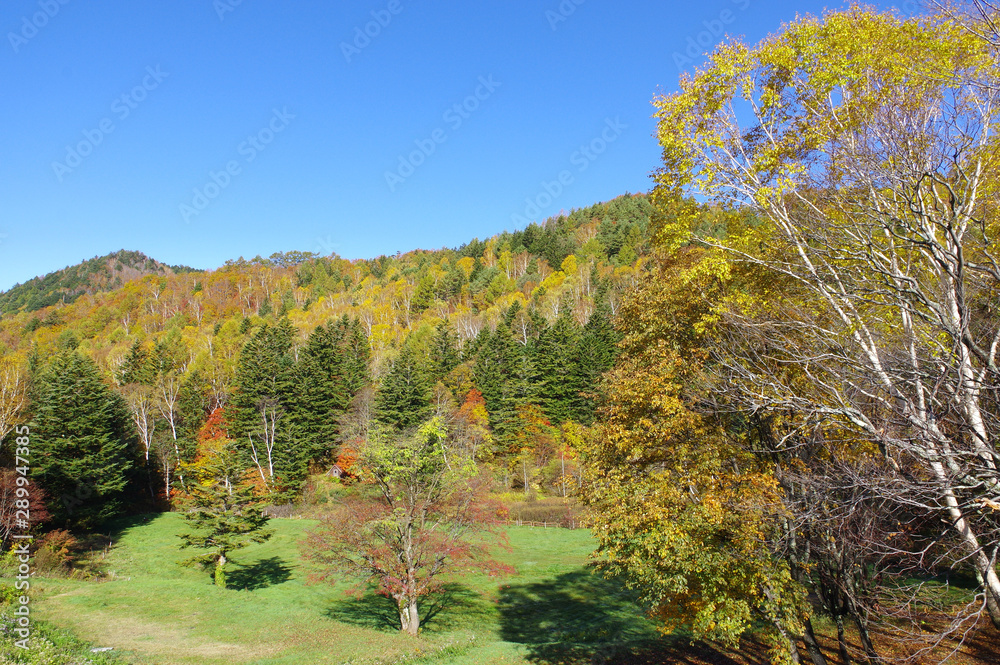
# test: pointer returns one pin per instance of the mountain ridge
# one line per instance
(98, 274)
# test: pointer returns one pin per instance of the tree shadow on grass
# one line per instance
(113, 530)
(259, 575)
(368, 611)
(453, 606)
(581, 618)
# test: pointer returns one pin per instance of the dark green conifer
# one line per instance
(557, 362)
(83, 446)
(403, 400)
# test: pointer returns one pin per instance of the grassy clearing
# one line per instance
(552, 610)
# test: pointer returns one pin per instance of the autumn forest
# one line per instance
(762, 396)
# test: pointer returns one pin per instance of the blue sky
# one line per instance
(202, 130)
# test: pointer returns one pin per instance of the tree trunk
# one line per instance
(845, 655)
(812, 646)
(562, 479)
(989, 583)
(986, 573)
(866, 640)
(220, 571)
(793, 648)
(409, 618)
(414, 618)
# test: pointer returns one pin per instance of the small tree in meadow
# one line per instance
(417, 524)
(223, 512)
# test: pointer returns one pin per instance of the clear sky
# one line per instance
(198, 131)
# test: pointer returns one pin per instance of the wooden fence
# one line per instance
(561, 524)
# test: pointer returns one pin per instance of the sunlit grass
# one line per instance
(161, 612)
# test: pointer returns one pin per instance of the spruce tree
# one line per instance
(403, 400)
(558, 365)
(265, 383)
(224, 515)
(445, 354)
(356, 355)
(83, 445)
(598, 350)
(505, 374)
(322, 391)
(423, 297)
(139, 366)
(193, 406)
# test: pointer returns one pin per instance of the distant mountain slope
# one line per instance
(101, 273)
(579, 262)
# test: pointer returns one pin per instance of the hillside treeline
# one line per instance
(294, 357)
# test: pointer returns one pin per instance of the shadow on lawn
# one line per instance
(115, 529)
(454, 606)
(264, 573)
(96, 544)
(581, 618)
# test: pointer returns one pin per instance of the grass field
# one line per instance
(554, 610)
(157, 611)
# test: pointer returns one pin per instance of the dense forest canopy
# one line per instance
(297, 353)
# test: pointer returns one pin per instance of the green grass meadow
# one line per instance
(553, 610)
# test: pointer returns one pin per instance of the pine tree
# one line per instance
(83, 443)
(322, 391)
(403, 400)
(557, 361)
(445, 356)
(598, 350)
(225, 520)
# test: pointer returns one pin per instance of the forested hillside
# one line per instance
(101, 273)
(507, 337)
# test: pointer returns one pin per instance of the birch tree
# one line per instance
(865, 145)
(13, 397)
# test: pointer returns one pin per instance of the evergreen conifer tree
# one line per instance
(265, 380)
(223, 514)
(403, 400)
(83, 445)
(445, 355)
(557, 361)
(505, 375)
(322, 391)
(598, 350)
(356, 356)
